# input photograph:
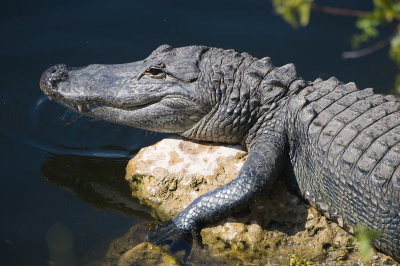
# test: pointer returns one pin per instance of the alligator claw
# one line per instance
(169, 234)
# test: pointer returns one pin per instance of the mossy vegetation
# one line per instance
(385, 13)
(365, 237)
(294, 12)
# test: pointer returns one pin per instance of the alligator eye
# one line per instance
(155, 71)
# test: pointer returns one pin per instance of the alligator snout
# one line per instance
(51, 77)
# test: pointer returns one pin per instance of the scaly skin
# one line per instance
(341, 144)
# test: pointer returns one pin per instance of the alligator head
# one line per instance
(157, 93)
(202, 93)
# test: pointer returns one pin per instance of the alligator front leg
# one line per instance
(257, 175)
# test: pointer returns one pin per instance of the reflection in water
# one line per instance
(98, 181)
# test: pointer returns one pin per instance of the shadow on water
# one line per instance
(97, 181)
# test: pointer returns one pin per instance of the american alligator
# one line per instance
(339, 145)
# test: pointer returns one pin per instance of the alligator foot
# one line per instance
(169, 234)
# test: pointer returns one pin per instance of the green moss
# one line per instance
(295, 260)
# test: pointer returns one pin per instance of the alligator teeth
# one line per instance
(80, 107)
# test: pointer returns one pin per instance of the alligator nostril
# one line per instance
(52, 76)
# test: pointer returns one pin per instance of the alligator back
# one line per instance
(345, 151)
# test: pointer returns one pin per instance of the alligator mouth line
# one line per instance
(87, 107)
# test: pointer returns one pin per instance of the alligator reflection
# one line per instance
(98, 181)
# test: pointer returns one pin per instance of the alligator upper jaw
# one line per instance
(86, 104)
(85, 88)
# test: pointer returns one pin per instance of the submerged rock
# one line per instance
(280, 228)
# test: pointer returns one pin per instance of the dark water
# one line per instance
(57, 167)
